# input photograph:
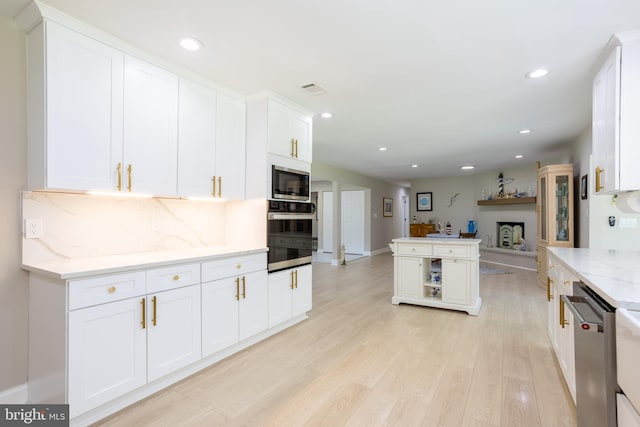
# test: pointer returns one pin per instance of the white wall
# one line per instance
(465, 208)
(379, 230)
(14, 313)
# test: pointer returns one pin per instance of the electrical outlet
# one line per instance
(33, 228)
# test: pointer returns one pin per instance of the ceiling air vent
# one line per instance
(313, 89)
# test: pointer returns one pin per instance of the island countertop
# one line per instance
(613, 274)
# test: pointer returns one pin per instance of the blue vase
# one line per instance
(471, 227)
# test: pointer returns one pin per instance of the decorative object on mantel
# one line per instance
(448, 228)
(424, 201)
(452, 199)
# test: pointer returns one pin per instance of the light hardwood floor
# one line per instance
(361, 361)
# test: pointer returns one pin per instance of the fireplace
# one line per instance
(509, 234)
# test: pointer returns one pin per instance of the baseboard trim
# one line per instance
(381, 251)
(15, 396)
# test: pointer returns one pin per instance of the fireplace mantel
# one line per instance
(511, 201)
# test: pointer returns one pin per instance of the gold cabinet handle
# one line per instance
(213, 180)
(562, 321)
(292, 285)
(143, 302)
(599, 172)
(244, 288)
(119, 176)
(176, 278)
(239, 266)
(296, 148)
(296, 279)
(155, 314)
(567, 282)
(219, 186)
(549, 296)
(292, 143)
(112, 289)
(130, 184)
(237, 289)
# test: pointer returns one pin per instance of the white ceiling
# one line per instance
(439, 83)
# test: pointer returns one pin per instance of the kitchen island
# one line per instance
(432, 272)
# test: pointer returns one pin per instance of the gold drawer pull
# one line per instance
(176, 277)
(239, 266)
(112, 289)
(567, 282)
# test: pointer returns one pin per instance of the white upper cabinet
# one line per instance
(150, 128)
(230, 147)
(616, 130)
(196, 140)
(75, 110)
(289, 132)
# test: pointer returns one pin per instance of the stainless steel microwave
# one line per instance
(289, 184)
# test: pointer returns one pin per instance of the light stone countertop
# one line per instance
(84, 267)
(612, 274)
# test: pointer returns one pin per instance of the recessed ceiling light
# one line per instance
(326, 115)
(414, 166)
(467, 167)
(190, 43)
(536, 74)
(382, 149)
(519, 156)
(524, 131)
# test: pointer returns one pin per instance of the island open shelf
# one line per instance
(441, 273)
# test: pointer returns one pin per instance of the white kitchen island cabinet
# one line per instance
(419, 280)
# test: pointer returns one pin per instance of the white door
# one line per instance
(173, 330)
(150, 128)
(353, 221)
(107, 353)
(219, 314)
(230, 148)
(84, 111)
(196, 140)
(327, 221)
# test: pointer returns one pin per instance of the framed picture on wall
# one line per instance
(387, 206)
(424, 201)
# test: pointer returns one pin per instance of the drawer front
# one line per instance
(103, 289)
(417, 250)
(452, 251)
(628, 353)
(227, 267)
(175, 276)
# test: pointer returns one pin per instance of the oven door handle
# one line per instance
(277, 216)
(586, 326)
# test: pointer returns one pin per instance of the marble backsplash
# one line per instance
(79, 225)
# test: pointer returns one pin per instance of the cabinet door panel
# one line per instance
(196, 140)
(254, 304)
(230, 147)
(84, 111)
(280, 132)
(150, 128)
(219, 315)
(107, 353)
(174, 340)
(302, 294)
(456, 277)
(280, 296)
(410, 276)
(302, 134)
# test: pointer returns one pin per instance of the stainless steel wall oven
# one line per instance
(289, 234)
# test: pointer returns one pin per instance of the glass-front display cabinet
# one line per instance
(555, 212)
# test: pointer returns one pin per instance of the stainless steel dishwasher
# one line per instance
(595, 353)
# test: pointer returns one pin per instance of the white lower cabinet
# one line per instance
(289, 294)
(234, 307)
(107, 353)
(456, 276)
(561, 321)
(116, 347)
